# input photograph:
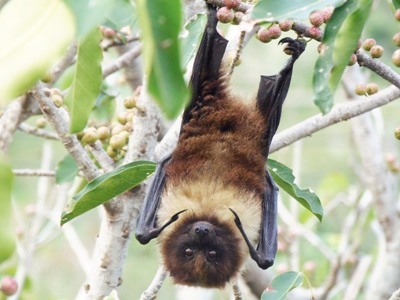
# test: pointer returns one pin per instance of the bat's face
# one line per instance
(202, 253)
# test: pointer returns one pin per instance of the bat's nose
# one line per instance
(202, 229)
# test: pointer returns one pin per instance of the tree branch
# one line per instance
(37, 132)
(29, 172)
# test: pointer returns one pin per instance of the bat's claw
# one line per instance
(293, 47)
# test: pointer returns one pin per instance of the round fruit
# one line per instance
(225, 15)
(396, 58)
(376, 51)
(232, 3)
(316, 18)
(368, 44)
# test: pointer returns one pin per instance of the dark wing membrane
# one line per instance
(272, 90)
(207, 62)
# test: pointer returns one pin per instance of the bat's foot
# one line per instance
(293, 47)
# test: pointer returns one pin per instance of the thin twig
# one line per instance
(122, 61)
(154, 287)
(37, 131)
(30, 172)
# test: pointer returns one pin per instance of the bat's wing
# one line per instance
(206, 68)
(146, 224)
(207, 63)
(271, 95)
(272, 90)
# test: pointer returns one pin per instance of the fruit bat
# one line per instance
(212, 202)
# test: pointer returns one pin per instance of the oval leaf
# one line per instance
(160, 22)
(107, 186)
(340, 40)
(272, 10)
(282, 285)
(6, 224)
(86, 82)
(283, 176)
(66, 170)
(194, 29)
(34, 34)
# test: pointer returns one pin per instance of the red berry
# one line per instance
(232, 3)
(225, 15)
(352, 60)
(274, 32)
(263, 35)
(314, 32)
(327, 13)
(286, 25)
(316, 18)
(8, 285)
(396, 39)
(397, 14)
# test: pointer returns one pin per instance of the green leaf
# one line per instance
(396, 4)
(34, 34)
(160, 22)
(107, 186)
(282, 285)
(283, 176)
(89, 14)
(340, 40)
(86, 82)
(194, 30)
(272, 10)
(66, 170)
(6, 224)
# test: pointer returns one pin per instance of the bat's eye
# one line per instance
(189, 252)
(212, 254)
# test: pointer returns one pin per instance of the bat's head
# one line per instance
(202, 252)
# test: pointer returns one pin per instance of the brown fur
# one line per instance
(200, 270)
(223, 140)
(218, 164)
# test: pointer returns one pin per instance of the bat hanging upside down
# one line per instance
(212, 201)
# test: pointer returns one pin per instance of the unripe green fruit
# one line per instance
(286, 25)
(396, 39)
(368, 44)
(376, 51)
(360, 89)
(130, 102)
(103, 133)
(117, 128)
(58, 100)
(122, 119)
(47, 78)
(90, 136)
(225, 15)
(125, 135)
(316, 18)
(396, 58)
(397, 132)
(263, 35)
(372, 88)
(111, 152)
(117, 142)
(41, 123)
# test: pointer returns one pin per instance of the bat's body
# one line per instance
(212, 199)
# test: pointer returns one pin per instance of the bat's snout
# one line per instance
(202, 230)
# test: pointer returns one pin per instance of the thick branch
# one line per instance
(341, 112)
